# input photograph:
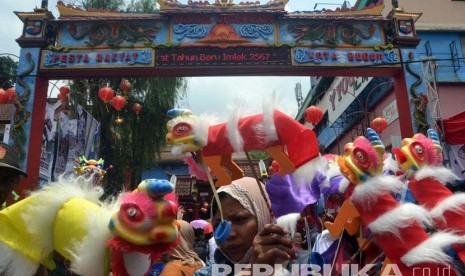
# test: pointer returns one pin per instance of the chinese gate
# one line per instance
(203, 39)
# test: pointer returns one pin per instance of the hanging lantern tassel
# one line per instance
(137, 108)
(379, 124)
(118, 102)
(119, 120)
(313, 115)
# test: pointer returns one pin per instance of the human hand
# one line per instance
(272, 246)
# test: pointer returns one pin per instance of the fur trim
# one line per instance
(333, 171)
(343, 185)
(308, 171)
(201, 126)
(455, 203)
(442, 174)
(431, 250)
(390, 164)
(234, 136)
(14, 263)
(178, 149)
(400, 217)
(119, 247)
(289, 222)
(89, 255)
(268, 128)
(41, 214)
(367, 193)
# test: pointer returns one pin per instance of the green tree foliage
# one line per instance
(111, 5)
(142, 6)
(134, 145)
(8, 69)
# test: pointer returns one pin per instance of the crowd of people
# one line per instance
(10, 172)
(254, 238)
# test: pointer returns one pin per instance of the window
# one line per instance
(454, 54)
(428, 49)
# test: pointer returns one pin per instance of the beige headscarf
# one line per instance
(246, 191)
(184, 252)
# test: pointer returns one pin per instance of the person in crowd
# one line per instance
(253, 238)
(323, 240)
(10, 172)
(183, 260)
(211, 249)
(301, 253)
(200, 244)
(157, 269)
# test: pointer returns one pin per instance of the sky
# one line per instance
(212, 95)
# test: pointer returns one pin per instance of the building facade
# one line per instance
(435, 83)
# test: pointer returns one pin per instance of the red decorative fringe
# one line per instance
(119, 247)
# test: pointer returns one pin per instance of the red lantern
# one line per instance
(118, 102)
(313, 114)
(3, 96)
(64, 90)
(106, 94)
(125, 86)
(62, 97)
(137, 108)
(11, 93)
(379, 124)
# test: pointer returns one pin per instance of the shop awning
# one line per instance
(454, 129)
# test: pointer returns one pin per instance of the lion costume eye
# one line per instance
(418, 151)
(182, 129)
(132, 212)
(360, 158)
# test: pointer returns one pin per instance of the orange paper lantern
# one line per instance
(106, 94)
(379, 124)
(64, 90)
(118, 102)
(313, 114)
(125, 86)
(137, 108)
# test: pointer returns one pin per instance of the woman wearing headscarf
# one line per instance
(253, 238)
(183, 260)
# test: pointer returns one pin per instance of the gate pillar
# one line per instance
(412, 112)
(403, 105)
(28, 120)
